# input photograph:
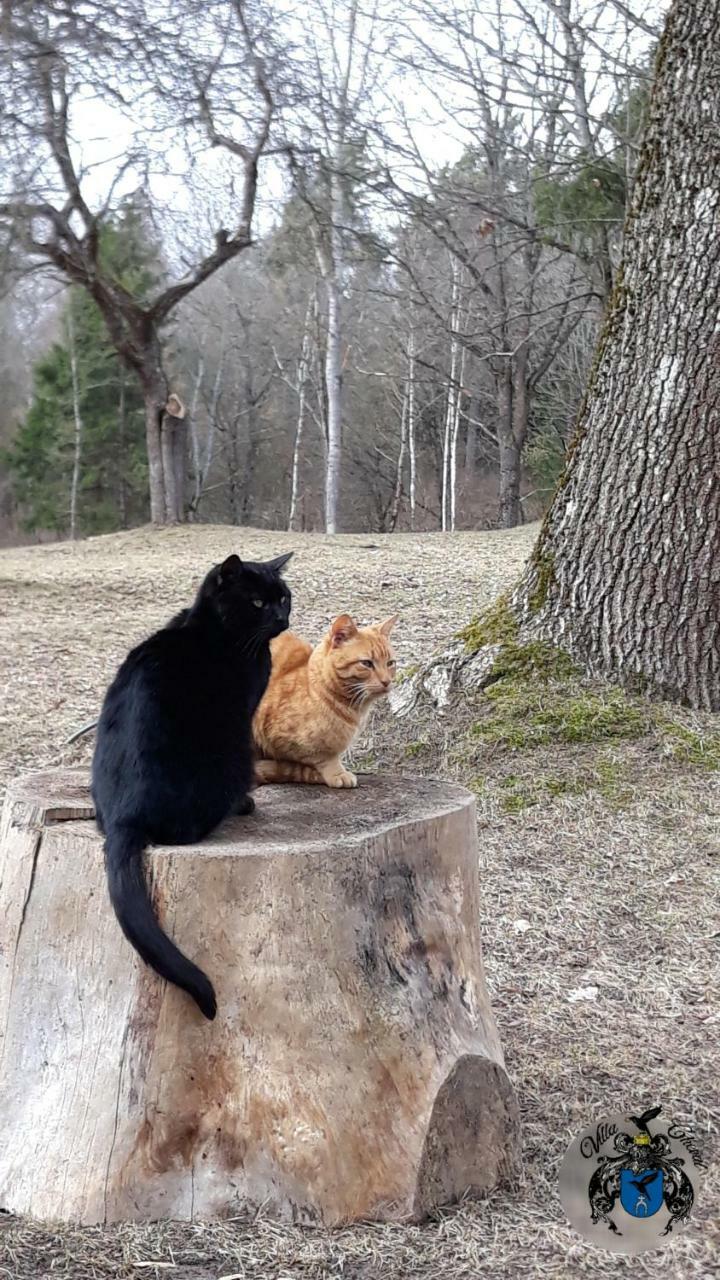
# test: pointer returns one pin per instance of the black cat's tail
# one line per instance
(133, 908)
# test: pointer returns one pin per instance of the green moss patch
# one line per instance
(495, 625)
(521, 791)
(407, 673)
(535, 661)
(523, 717)
(688, 747)
(544, 575)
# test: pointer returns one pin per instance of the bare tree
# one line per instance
(344, 67)
(56, 61)
(519, 90)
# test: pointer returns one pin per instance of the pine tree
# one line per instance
(78, 462)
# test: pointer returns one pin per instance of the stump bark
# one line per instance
(354, 1069)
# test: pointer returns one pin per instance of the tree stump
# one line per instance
(354, 1069)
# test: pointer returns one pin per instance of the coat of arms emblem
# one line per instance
(630, 1181)
(644, 1175)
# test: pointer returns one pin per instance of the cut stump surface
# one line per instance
(354, 1069)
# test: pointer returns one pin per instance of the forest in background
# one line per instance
(397, 340)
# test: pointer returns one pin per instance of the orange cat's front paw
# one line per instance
(342, 779)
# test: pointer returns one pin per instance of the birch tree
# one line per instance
(300, 386)
(344, 67)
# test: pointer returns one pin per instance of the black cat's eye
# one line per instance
(258, 603)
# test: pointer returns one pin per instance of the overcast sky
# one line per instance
(196, 192)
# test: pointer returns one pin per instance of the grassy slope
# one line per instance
(598, 824)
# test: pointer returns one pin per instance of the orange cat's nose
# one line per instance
(386, 683)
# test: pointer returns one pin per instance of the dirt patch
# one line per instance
(599, 861)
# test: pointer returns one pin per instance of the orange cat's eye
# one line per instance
(366, 662)
(391, 662)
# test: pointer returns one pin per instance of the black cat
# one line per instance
(174, 748)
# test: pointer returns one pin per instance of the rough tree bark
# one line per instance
(354, 1070)
(173, 443)
(626, 572)
(165, 440)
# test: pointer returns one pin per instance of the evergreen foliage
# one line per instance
(112, 463)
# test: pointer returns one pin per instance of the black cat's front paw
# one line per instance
(245, 806)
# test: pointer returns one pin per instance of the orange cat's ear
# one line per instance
(341, 630)
(387, 626)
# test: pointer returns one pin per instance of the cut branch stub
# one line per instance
(175, 407)
(354, 1070)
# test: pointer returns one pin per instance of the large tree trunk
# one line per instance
(354, 1069)
(173, 440)
(154, 389)
(626, 573)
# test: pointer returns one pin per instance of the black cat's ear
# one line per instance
(229, 570)
(280, 561)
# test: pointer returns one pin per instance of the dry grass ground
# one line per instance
(599, 858)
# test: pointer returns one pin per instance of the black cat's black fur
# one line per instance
(173, 755)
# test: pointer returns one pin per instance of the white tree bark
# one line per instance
(343, 80)
(354, 1069)
(400, 465)
(457, 418)
(301, 388)
(194, 436)
(451, 405)
(411, 423)
(333, 354)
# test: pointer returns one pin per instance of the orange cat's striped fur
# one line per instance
(317, 701)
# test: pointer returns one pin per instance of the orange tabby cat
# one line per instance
(317, 701)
